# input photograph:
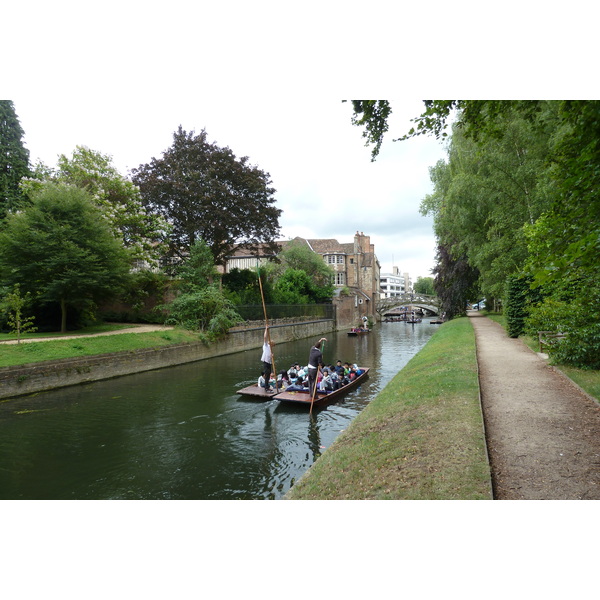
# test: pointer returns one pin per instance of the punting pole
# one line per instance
(266, 324)
(316, 384)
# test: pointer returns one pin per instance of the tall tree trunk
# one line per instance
(63, 320)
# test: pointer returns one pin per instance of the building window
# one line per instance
(340, 278)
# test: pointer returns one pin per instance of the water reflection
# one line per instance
(183, 433)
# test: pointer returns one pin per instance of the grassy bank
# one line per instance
(421, 438)
(19, 354)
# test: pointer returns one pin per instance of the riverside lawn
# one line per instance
(32, 352)
(422, 438)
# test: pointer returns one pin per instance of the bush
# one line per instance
(202, 310)
(516, 304)
(581, 346)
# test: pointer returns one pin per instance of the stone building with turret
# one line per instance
(355, 266)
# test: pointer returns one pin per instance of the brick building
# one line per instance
(354, 263)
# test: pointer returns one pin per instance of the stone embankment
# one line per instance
(37, 377)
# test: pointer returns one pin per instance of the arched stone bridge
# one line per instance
(431, 304)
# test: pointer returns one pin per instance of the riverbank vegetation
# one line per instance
(422, 438)
(516, 212)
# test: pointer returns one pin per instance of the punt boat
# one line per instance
(321, 397)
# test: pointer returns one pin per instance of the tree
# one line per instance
(62, 250)
(204, 191)
(455, 282)
(478, 118)
(299, 257)
(14, 159)
(13, 305)
(294, 287)
(119, 199)
(488, 191)
(424, 285)
(198, 270)
(241, 286)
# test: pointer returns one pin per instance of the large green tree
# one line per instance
(14, 158)
(205, 191)
(62, 250)
(487, 192)
(141, 231)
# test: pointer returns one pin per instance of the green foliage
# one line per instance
(293, 287)
(488, 191)
(456, 282)
(61, 250)
(316, 287)
(517, 297)
(198, 270)
(206, 192)
(568, 235)
(424, 285)
(241, 286)
(13, 305)
(14, 159)
(142, 292)
(117, 197)
(204, 309)
(572, 307)
(373, 115)
(519, 194)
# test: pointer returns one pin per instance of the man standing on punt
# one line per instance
(267, 358)
(315, 359)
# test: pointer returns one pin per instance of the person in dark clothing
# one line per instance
(315, 359)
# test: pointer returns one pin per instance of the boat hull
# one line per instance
(321, 397)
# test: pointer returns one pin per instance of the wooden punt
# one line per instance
(358, 331)
(258, 392)
(322, 397)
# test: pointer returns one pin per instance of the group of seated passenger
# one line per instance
(336, 376)
(331, 377)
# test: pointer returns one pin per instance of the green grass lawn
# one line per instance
(421, 438)
(99, 328)
(19, 354)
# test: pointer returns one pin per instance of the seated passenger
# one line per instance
(335, 380)
(283, 380)
(326, 383)
(295, 387)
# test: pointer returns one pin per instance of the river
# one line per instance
(183, 432)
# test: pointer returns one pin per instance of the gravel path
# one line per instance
(543, 432)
